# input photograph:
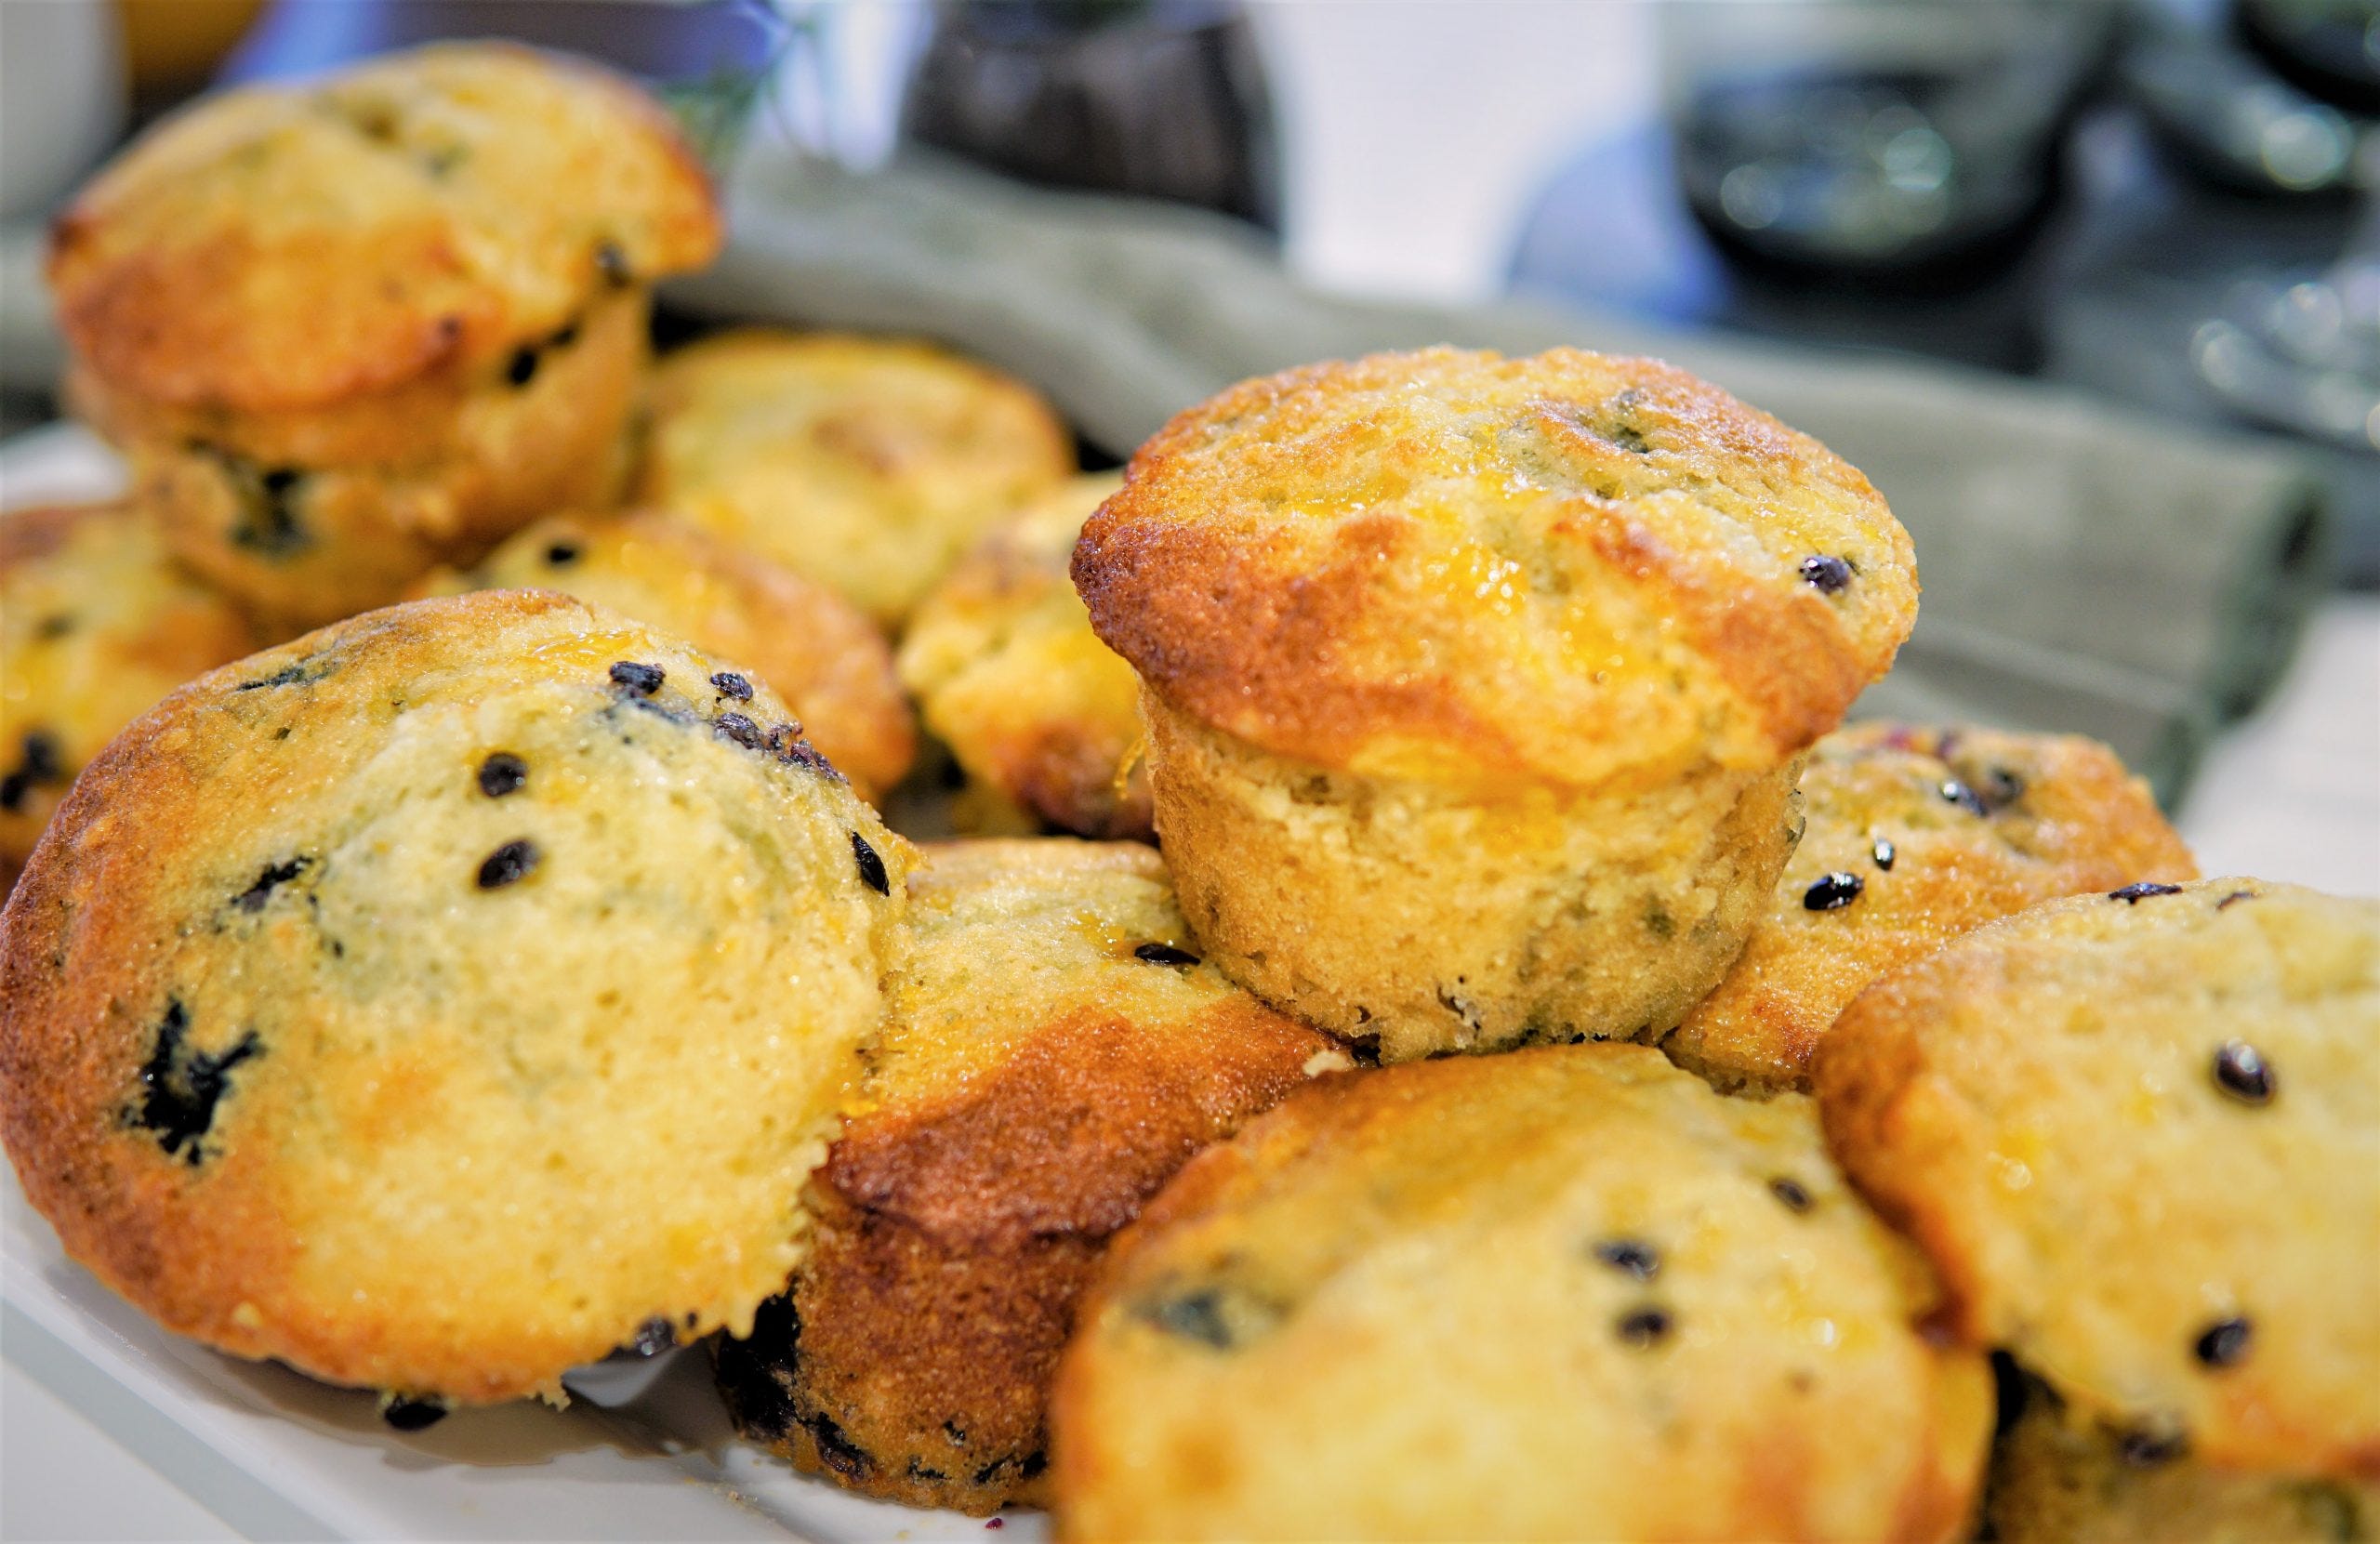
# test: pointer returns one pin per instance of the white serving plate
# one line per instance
(278, 1455)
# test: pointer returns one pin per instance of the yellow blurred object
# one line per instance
(175, 42)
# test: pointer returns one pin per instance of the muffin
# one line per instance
(1567, 1293)
(96, 624)
(869, 465)
(1052, 1053)
(2058, 1480)
(1476, 686)
(2139, 1134)
(1008, 673)
(1912, 836)
(444, 998)
(824, 659)
(349, 329)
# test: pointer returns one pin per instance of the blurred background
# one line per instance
(2165, 202)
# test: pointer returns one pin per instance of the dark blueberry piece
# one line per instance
(502, 773)
(55, 626)
(756, 1390)
(266, 515)
(2224, 904)
(1164, 954)
(1634, 1256)
(1964, 797)
(567, 336)
(2224, 1342)
(41, 758)
(1825, 573)
(2241, 1072)
(732, 685)
(613, 264)
(521, 368)
(288, 675)
(1195, 1315)
(956, 1433)
(1885, 852)
(652, 1338)
(836, 1449)
(2131, 895)
(561, 554)
(1628, 437)
(506, 864)
(2008, 1386)
(1035, 1463)
(996, 1522)
(1833, 892)
(253, 898)
(786, 740)
(411, 1414)
(743, 731)
(181, 1087)
(1643, 1327)
(2001, 788)
(643, 679)
(871, 867)
(270, 524)
(38, 763)
(2147, 1447)
(1789, 1193)
(990, 1471)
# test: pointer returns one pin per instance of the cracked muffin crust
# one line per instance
(1564, 1293)
(868, 464)
(1474, 685)
(823, 657)
(2139, 1134)
(96, 624)
(1010, 676)
(1052, 1051)
(1588, 572)
(444, 998)
(351, 327)
(1910, 837)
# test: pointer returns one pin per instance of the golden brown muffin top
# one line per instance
(1568, 568)
(280, 247)
(826, 659)
(96, 624)
(1564, 1293)
(869, 464)
(1913, 836)
(2139, 1133)
(439, 1000)
(1009, 674)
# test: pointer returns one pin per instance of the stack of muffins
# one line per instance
(1455, 1041)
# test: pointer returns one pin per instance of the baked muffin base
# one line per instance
(307, 517)
(1433, 921)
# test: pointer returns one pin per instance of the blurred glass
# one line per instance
(2328, 47)
(1164, 98)
(1871, 137)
